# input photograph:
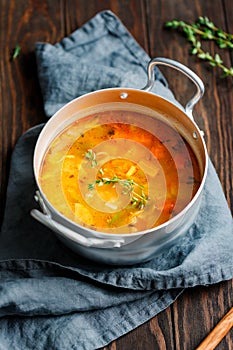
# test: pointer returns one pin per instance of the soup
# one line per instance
(119, 171)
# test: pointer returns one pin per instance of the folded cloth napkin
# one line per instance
(52, 298)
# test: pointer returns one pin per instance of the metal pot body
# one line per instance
(123, 249)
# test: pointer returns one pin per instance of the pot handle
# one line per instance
(183, 69)
(46, 219)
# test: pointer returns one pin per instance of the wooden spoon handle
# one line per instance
(218, 333)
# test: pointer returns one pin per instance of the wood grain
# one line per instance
(22, 23)
(218, 333)
(185, 324)
(196, 313)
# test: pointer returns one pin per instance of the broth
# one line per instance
(119, 172)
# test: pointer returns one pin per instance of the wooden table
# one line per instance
(23, 22)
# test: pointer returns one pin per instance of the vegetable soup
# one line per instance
(119, 171)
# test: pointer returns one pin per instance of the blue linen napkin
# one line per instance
(52, 298)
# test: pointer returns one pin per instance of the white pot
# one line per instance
(134, 247)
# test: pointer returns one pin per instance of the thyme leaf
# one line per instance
(16, 52)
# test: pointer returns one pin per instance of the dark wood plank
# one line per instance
(22, 23)
(228, 9)
(198, 310)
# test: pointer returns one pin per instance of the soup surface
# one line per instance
(119, 172)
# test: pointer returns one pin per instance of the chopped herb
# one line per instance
(16, 52)
(113, 219)
(91, 156)
(91, 186)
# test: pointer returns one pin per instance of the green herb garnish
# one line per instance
(138, 200)
(204, 29)
(16, 52)
(113, 219)
(91, 156)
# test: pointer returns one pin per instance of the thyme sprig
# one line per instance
(204, 29)
(138, 200)
(91, 156)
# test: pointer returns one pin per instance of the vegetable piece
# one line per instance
(83, 213)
